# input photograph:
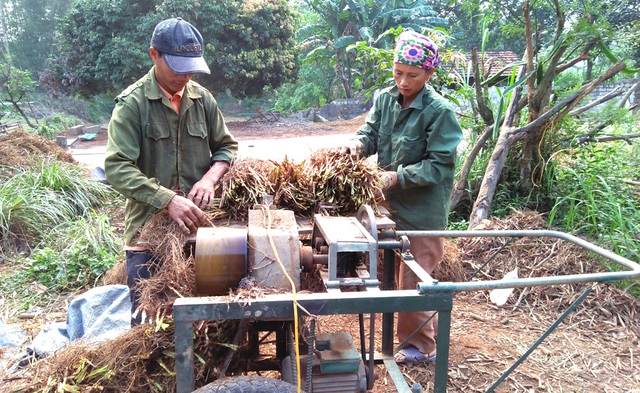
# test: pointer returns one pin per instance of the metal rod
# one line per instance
(541, 339)
(442, 350)
(435, 286)
(363, 348)
(532, 233)
(185, 380)
(311, 347)
(491, 258)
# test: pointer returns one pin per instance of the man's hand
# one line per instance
(202, 192)
(387, 180)
(186, 214)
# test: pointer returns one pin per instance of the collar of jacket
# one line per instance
(418, 102)
(154, 92)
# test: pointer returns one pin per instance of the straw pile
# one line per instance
(543, 257)
(23, 149)
(140, 360)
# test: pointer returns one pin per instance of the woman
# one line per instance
(415, 133)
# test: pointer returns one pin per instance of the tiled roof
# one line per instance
(494, 61)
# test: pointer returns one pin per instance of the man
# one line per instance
(415, 133)
(168, 143)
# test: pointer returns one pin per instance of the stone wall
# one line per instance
(606, 88)
(345, 109)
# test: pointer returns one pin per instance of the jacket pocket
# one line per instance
(410, 146)
(197, 129)
(157, 131)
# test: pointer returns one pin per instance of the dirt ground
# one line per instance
(264, 127)
(594, 350)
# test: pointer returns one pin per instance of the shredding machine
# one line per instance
(272, 251)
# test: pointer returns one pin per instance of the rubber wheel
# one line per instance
(248, 384)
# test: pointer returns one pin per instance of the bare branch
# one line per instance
(459, 188)
(531, 82)
(514, 104)
(608, 138)
(559, 20)
(583, 56)
(619, 66)
(628, 94)
(616, 92)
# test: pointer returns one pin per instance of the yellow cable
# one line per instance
(295, 300)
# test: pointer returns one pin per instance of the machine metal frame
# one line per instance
(430, 295)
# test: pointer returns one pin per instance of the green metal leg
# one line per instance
(185, 382)
(389, 278)
(542, 338)
(442, 350)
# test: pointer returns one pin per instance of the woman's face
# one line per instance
(169, 80)
(410, 80)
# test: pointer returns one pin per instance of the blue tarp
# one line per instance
(99, 314)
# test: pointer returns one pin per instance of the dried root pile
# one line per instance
(140, 360)
(327, 180)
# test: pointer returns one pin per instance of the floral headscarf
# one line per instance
(416, 50)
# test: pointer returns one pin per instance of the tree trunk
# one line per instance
(483, 108)
(344, 78)
(531, 155)
(460, 188)
(21, 112)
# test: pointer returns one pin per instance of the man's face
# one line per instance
(410, 80)
(169, 80)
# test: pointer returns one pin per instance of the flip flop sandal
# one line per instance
(412, 355)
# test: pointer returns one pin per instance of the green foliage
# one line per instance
(31, 26)
(312, 90)
(56, 124)
(49, 211)
(73, 255)
(77, 254)
(94, 110)
(15, 85)
(597, 195)
(104, 44)
(342, 24)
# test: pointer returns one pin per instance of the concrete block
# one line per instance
(263, 265)
(61, 141)
(91, 129)
(76, 130)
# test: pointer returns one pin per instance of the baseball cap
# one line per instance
(181, 46)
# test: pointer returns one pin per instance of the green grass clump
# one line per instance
(33, 201)
(597, 196)
(53, 237)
